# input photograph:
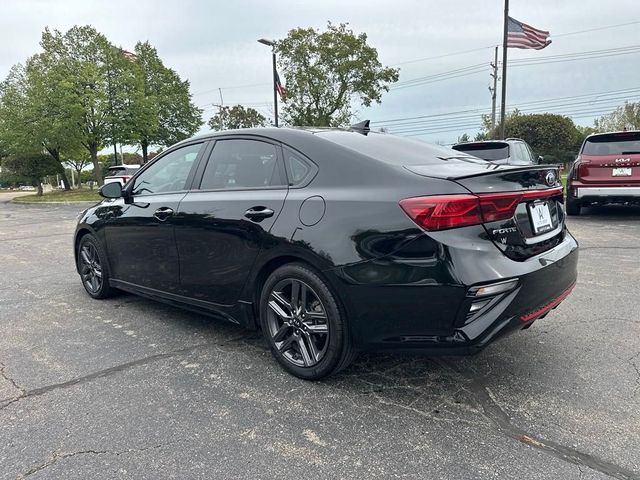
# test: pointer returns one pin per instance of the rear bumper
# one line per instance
(617, 192)
(433, 317)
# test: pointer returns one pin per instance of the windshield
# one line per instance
(486, 151)
(612, 144)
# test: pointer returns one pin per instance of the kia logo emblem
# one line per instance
(550, 178)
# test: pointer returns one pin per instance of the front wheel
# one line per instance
(93, 268)
(303, 324)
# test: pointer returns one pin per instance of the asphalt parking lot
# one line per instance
(129, 388)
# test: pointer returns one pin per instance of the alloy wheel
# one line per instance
(90, 268)
(298, 323)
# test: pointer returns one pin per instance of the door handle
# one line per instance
(258, 213)
(163, 213)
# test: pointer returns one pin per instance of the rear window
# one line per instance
(612, 144)
(486, 151)
(389, 148)
(121, 170)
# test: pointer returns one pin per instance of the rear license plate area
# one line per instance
(540, 216)
(621, 172)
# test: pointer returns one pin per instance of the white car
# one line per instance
(120, 173)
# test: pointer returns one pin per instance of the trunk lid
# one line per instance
(534, 197)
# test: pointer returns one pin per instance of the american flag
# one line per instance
(279, 88)
(521, 35)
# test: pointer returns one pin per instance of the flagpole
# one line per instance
(504, 69)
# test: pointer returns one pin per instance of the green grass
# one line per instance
(83, 195)
(563, 178)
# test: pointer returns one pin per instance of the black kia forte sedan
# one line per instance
(335, 241)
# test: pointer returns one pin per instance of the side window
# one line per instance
(299, 169)
(169, 173)
(242, 164)
(520, 153)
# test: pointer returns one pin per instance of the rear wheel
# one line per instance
(93, 268)
(303, 324)
(573, 206)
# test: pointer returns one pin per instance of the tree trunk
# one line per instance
(78, 181)
(65, 181)
(144, 146)
(97, 169)
(38, 184)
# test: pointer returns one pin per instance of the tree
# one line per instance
(33, 167)
(30, 121)
(624, 117)
(170, 115)
(95, 85)
(229, 118)
(464, 138)
(552, 135)
(78, 164)
(326, 72)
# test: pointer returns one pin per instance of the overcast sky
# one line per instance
(213, 44)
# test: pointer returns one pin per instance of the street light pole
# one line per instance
(271, 44)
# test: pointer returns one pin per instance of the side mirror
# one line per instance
(540, 159)
(111, 190)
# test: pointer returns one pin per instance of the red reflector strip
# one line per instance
(548, 306)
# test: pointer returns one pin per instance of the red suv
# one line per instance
(607, 170)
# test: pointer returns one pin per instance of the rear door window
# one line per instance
(242, 164)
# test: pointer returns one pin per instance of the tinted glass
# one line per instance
(613, 144)
(520, 153)
(389, 148)
(298, 168)
(242, 164)
(169, 173)
(486, 151)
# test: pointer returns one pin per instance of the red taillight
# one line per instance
(440, 212)
(499, 206)
(443, 211)
(579, 168)
(125, 179)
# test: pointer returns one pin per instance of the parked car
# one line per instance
(511, 151)
(120, 173)
(27, 188)
(335, 241)
(607, 170)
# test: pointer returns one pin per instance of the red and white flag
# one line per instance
(521, 35)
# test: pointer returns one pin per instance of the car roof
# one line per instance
(615, 132)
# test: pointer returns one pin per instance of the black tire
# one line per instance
(94, 268)
(303, 323)
(573, 207)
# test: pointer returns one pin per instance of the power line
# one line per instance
(453, 54)
(481, 67)
(533, 102)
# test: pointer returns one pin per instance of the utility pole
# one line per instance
(503, 106)
(494, 90)
(272, 44)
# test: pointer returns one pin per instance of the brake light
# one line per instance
(125, 179)
(579, 168)
(441, 212)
